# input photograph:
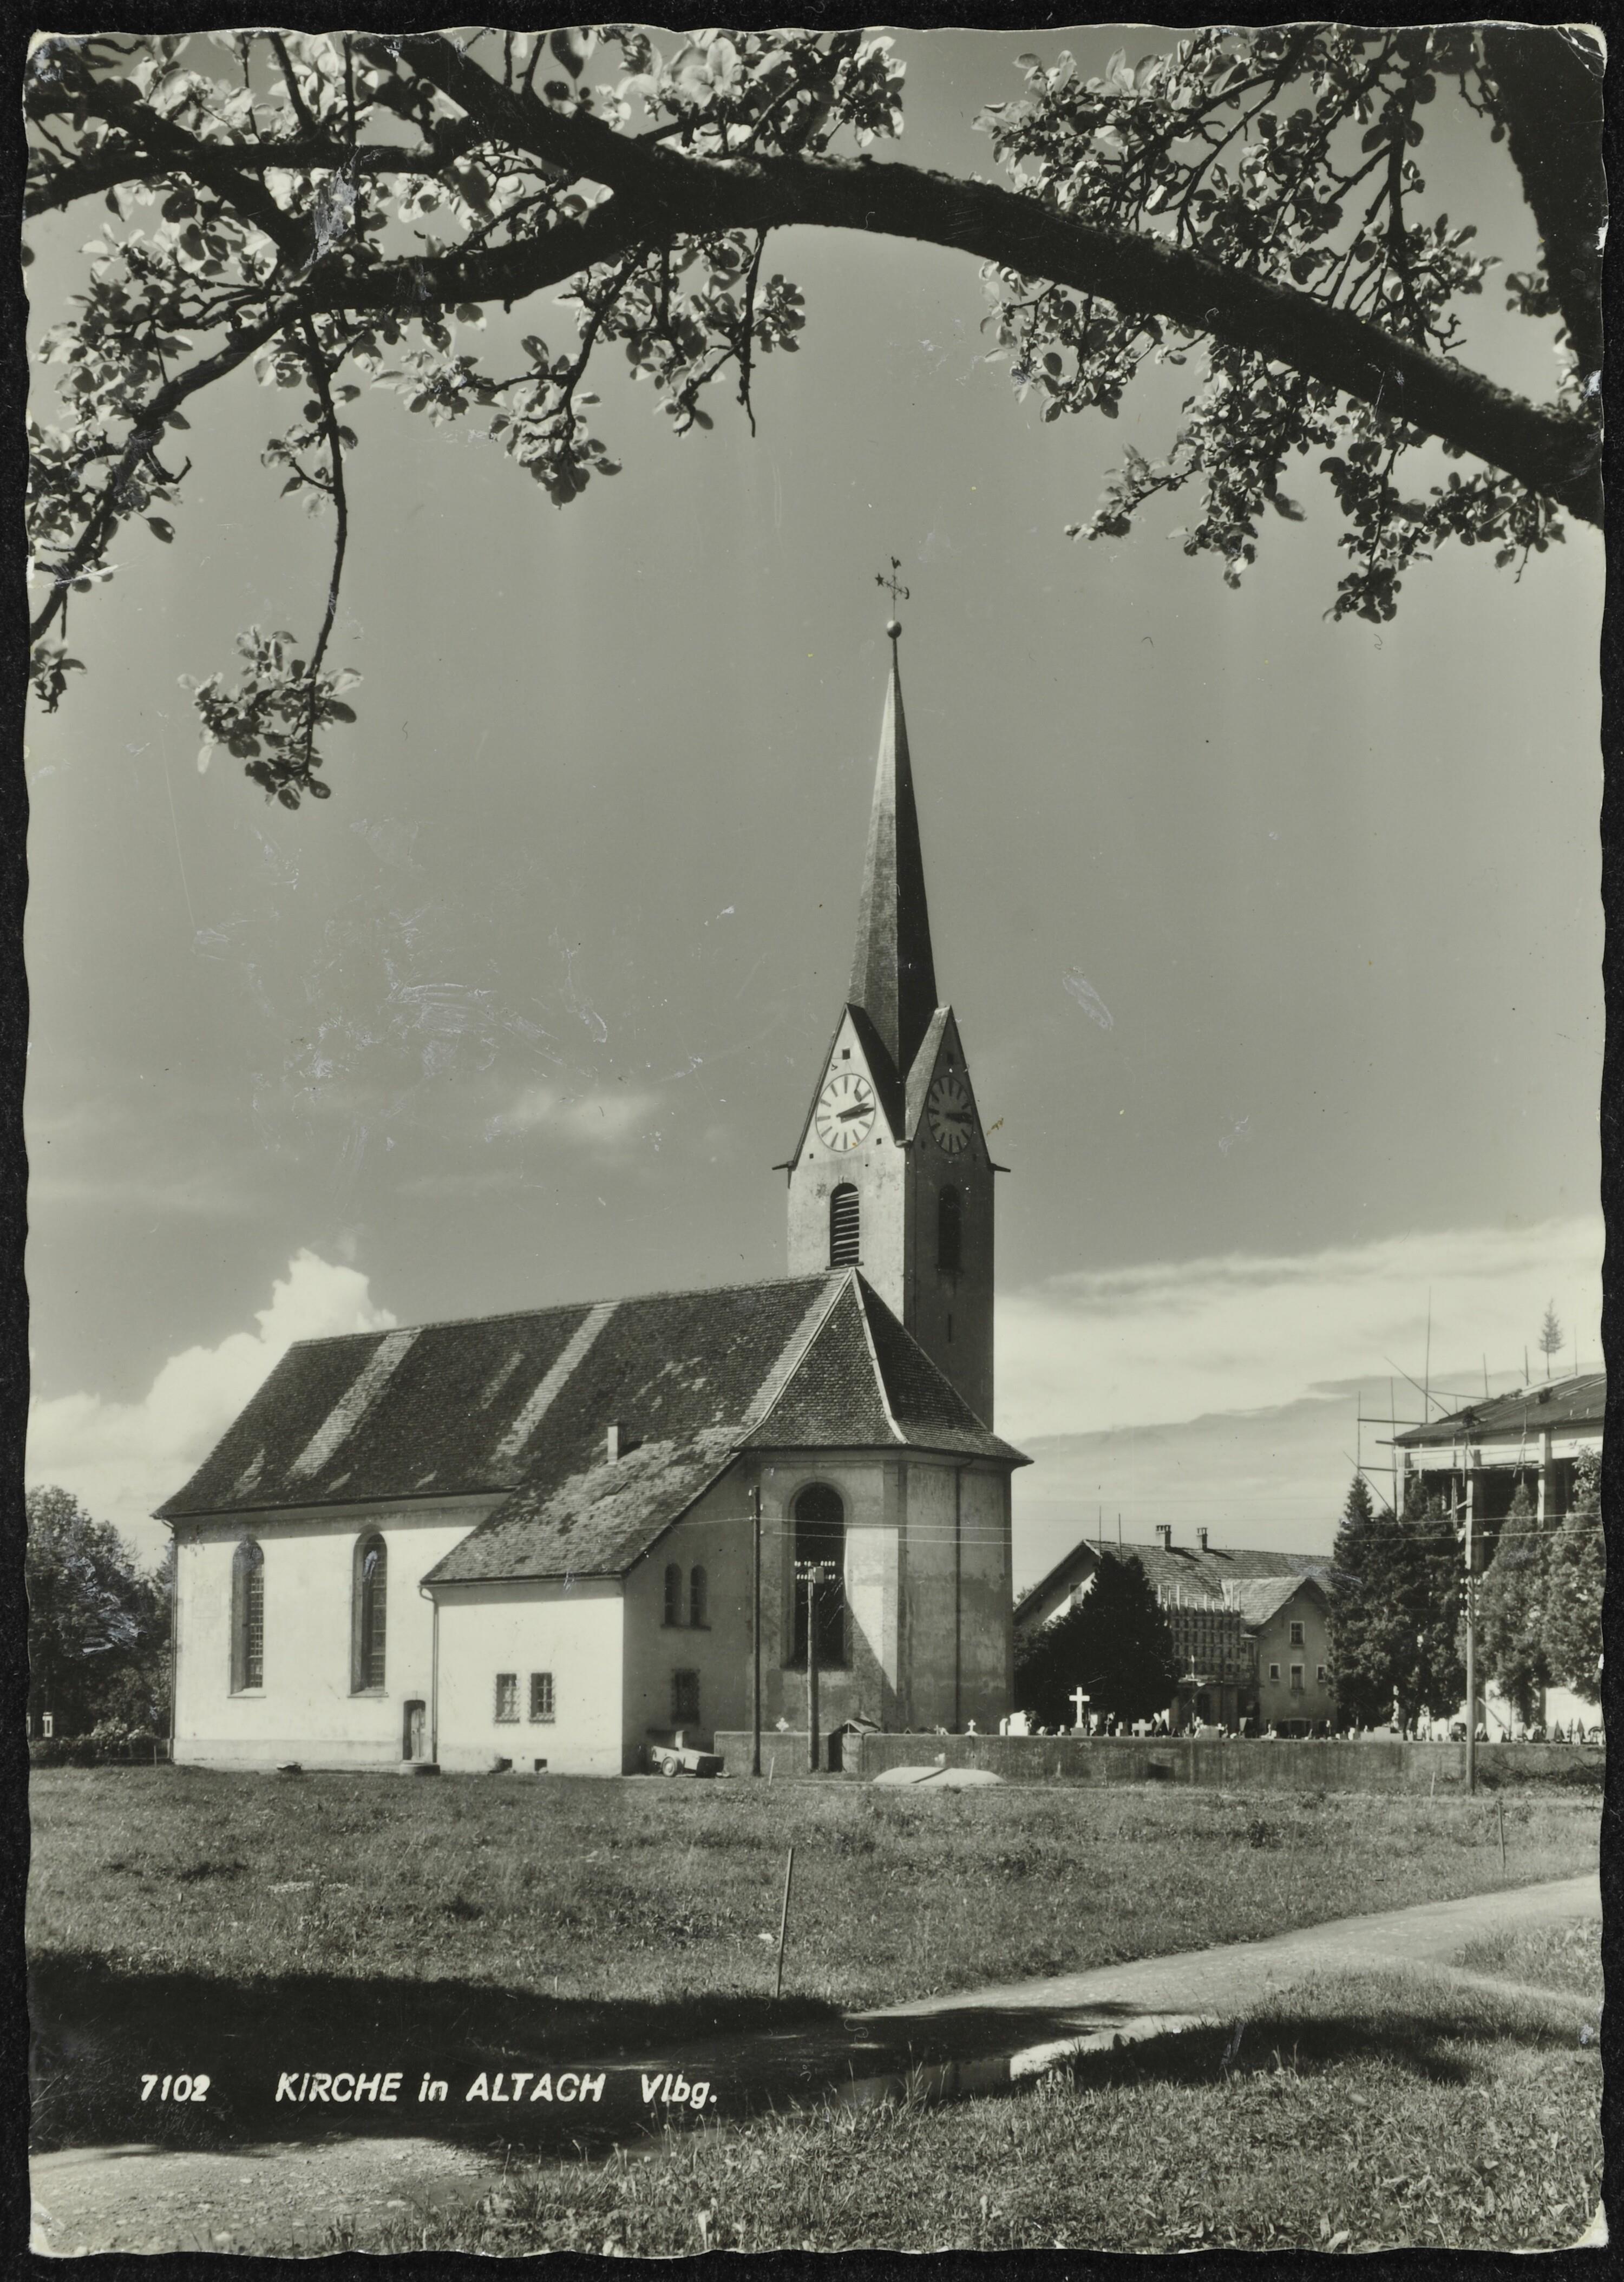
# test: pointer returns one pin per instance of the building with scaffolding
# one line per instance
(1472, 1460)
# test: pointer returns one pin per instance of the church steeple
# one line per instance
(892, 1172)
(893, 976)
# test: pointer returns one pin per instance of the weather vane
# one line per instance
(897, 591)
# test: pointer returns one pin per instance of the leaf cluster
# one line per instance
(349, 213)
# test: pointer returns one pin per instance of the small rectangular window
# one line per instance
(1296, 1635)
(540, 1694)
(1321, 1674)
(1296, 1680)
(507, 1696)
(685, 1699)
(1274, 1671)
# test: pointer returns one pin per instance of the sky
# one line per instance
(1275, 943)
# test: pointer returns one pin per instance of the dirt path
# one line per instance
(295, 2196)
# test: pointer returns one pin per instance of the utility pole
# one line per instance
(1472, 1647)
(755, 1630)
(812, 1665)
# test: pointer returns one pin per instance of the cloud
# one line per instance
(1176, 1341)
(124, 1458)
(603, 1121)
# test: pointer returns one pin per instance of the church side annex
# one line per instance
(528, 1538)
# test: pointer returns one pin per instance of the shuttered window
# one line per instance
(950, 1232)
(845, 1226)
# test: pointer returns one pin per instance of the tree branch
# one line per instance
(1546, 91)
(143, 439)
(1548, 449)
(319, 381)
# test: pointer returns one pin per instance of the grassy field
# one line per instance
(586, 1890)
(182, 1920)
(1359, 2114)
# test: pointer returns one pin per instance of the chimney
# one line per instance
(1164, 1531)
(612, 1444)
(1200, 1539)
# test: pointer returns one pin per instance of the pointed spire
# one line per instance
(893, 977)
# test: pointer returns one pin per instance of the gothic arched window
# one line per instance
(845, 1226)
(698, 1597)
(371, 1612)
(673, 1593)
(820, 1537)
(950, 1232)
(247, 1617)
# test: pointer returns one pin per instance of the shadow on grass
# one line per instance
(98, 2031)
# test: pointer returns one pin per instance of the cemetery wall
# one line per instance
(1386, 1764)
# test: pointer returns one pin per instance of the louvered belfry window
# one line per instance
(845, 1226)
(950, 1232)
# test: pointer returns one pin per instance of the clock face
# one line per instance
(846, 1111)
(952, 1121)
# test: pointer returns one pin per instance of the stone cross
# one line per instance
(1079, 1704)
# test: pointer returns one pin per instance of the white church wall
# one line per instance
(871, 1491)
(307, 1709)
(715, 1537)
(878, 1171)
(954, 1645)
(572, 1629)
(986, 1584)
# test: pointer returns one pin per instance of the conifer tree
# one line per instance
(1116, 1645)
(1437, 1554)
(1550, 1335)
(1366, 1641)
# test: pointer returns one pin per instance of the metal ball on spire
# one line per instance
(893, 626)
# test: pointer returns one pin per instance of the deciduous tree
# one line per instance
(348, 212)
(98, 1626)
(1511, 1608)
(1576, 1575)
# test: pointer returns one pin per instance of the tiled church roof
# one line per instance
(523, 1404)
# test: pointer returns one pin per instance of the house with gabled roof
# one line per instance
(1251, 1627)
(530, 1539)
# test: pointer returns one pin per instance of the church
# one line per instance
(531, 1541)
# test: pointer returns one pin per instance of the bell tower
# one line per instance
(892, 1173)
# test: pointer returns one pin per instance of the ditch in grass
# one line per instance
(1357, 2113)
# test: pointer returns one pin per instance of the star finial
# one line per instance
(898, 593)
